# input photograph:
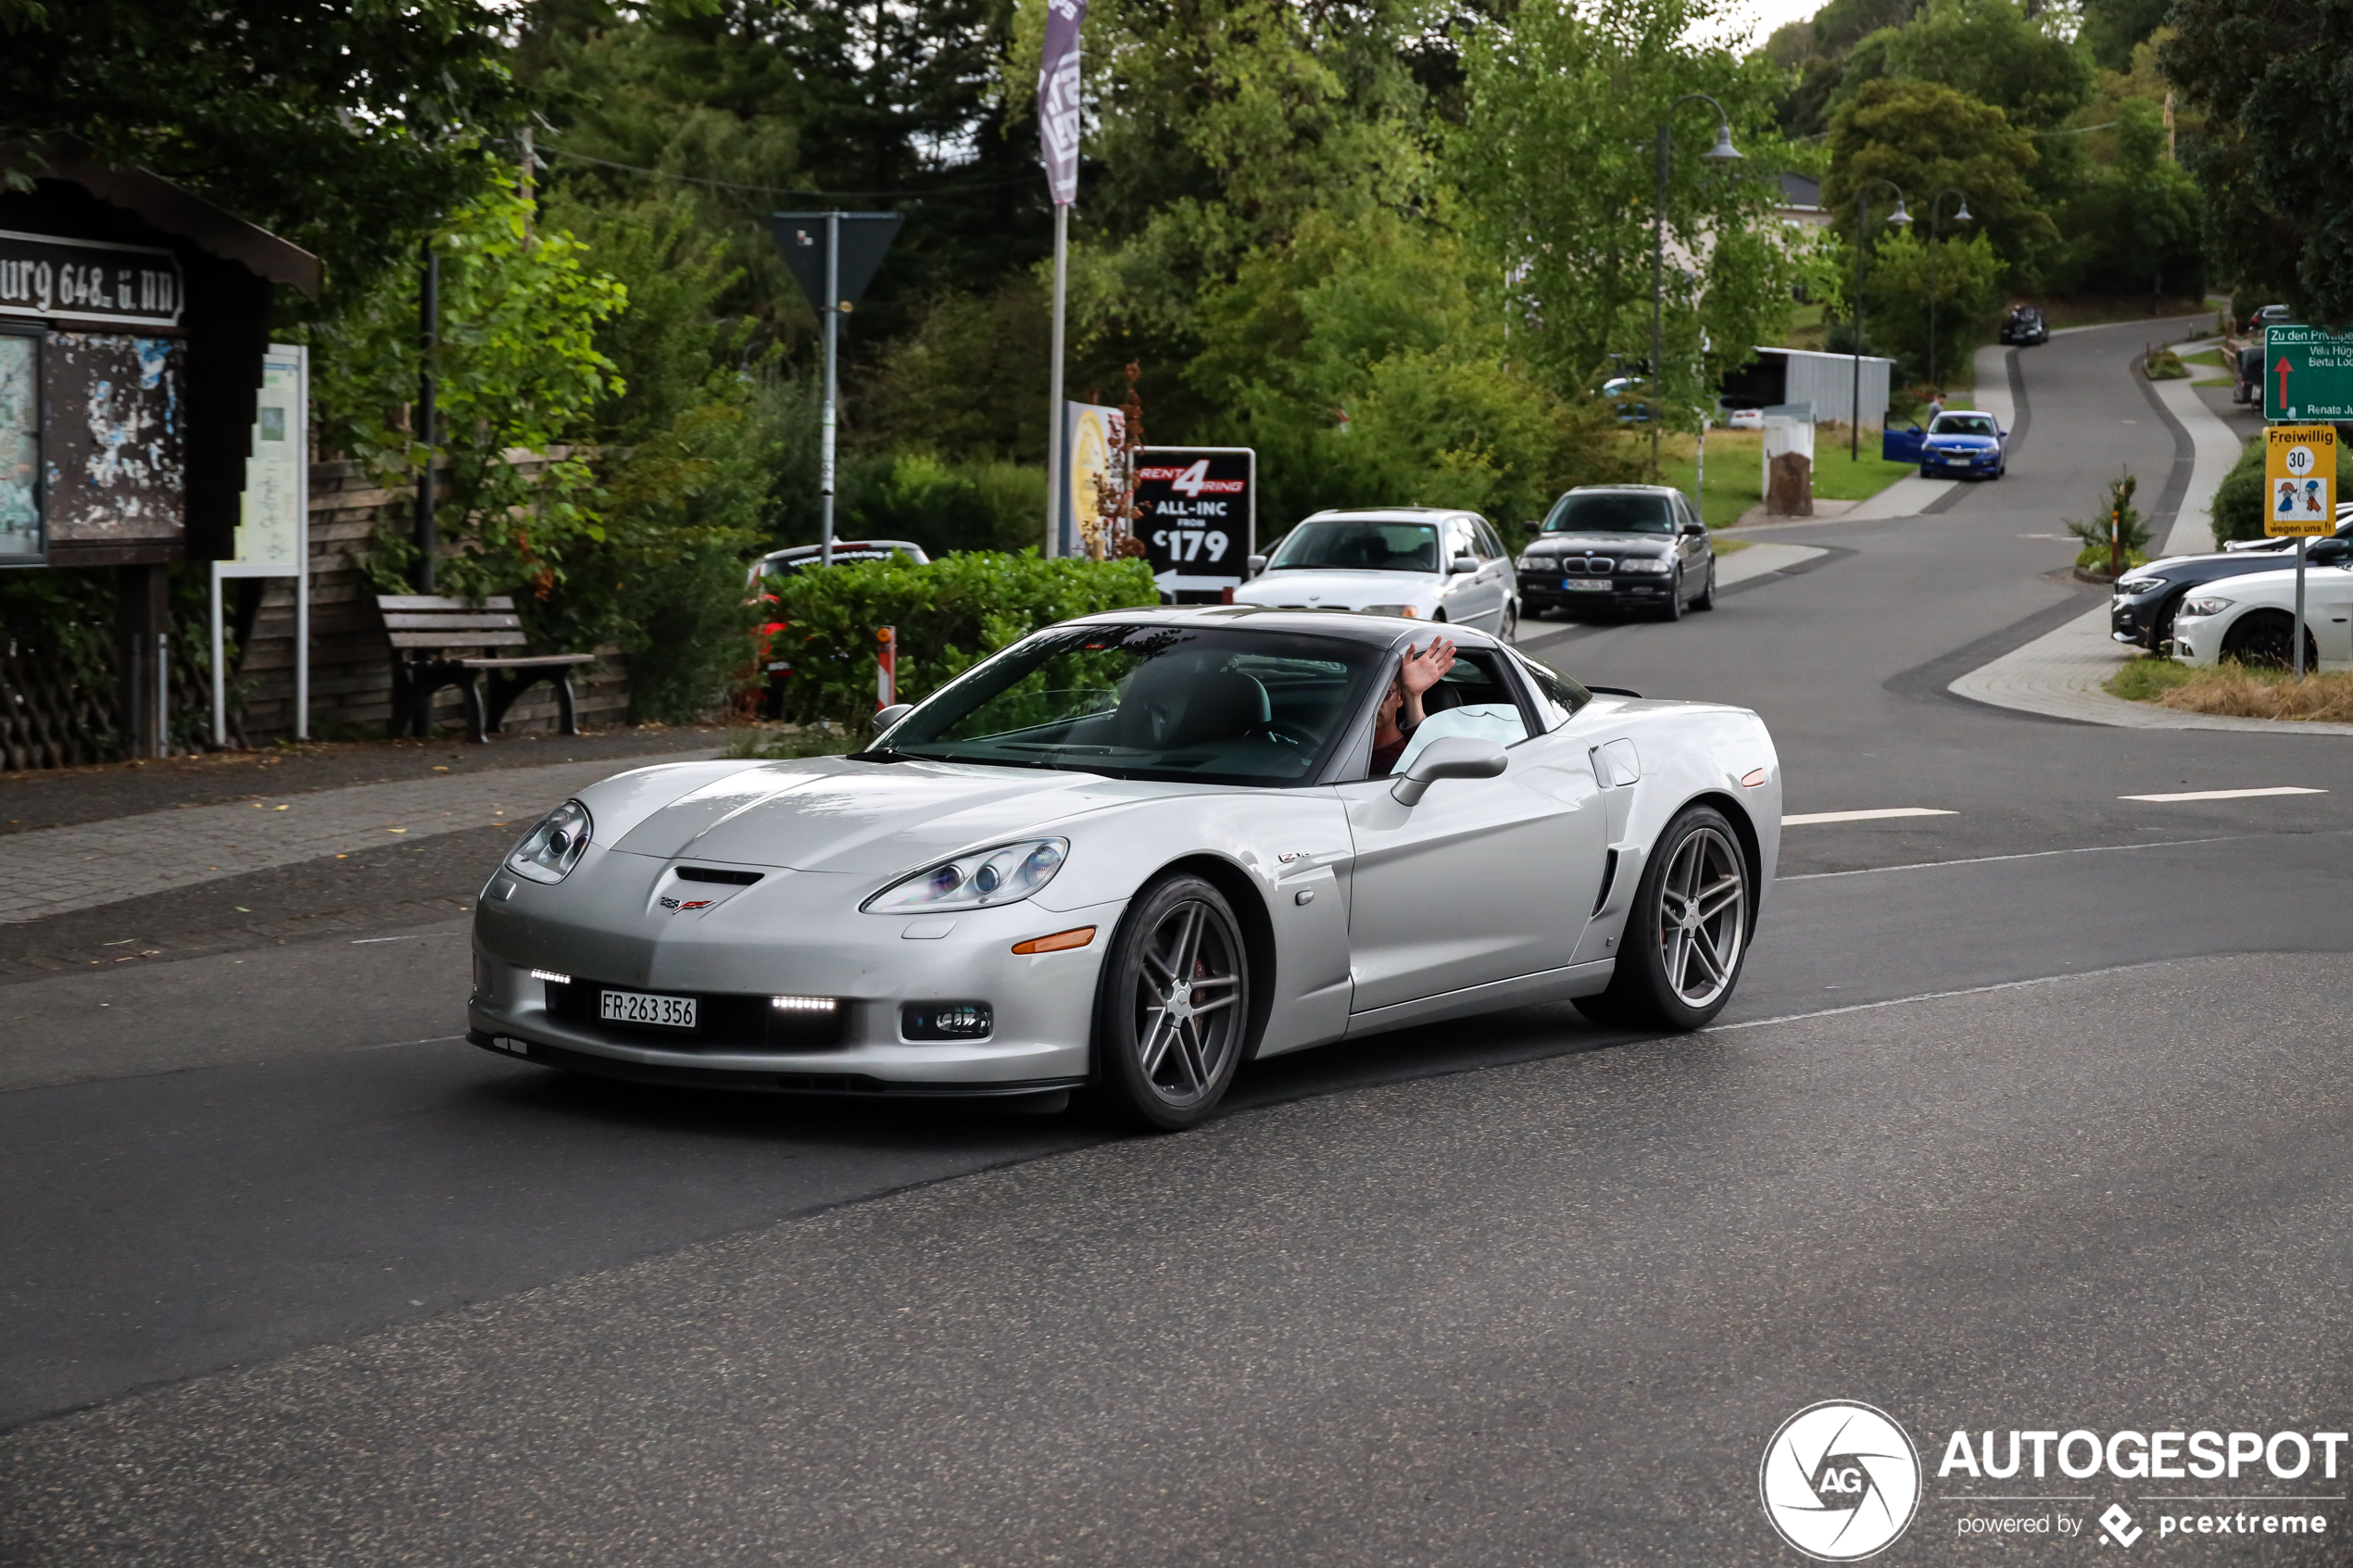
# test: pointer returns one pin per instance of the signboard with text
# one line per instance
(1197, 515)
(2299, 481)
(2307, 375)
(271, 536)
(95, 280)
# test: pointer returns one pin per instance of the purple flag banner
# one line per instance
(1058, 99)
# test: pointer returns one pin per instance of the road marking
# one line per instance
(1808, 819)
(2220, 794)
(2028, 855)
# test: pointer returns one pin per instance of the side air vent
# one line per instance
(712, 873)
(1609, 879)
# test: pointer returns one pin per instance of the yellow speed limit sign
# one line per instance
(2299, 481)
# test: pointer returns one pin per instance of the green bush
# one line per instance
(943, 505)
(2117, 517)
(2238, 500)
(950, 616)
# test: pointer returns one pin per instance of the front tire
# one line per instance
(1508, 628)
(1674, 610)
(1173, 1014)
(1687, 935)
(1707, 599)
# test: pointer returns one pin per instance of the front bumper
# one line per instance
(2130, 620)
(1545, 589)
(1042, 1006)
(1959, 462)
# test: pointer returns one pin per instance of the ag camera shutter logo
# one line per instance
(1840, 1481)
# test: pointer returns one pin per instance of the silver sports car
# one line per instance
(1128, 855)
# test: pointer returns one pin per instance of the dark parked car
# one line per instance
(2250, 378)
(2025, 325)
(774, 656)
(1621, 548)
(2144, 599)
(2270, 316)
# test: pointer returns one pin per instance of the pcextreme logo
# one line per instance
(1840, 1481)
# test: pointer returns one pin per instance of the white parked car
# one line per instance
(2250, 618)
(1425, 563)
(1745, 418)
(1128, 854)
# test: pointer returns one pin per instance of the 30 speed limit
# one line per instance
(2299, 481)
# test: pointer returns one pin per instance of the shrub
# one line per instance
(950, 616)
(2238, 500)
(2164, 364)
(2117, 513)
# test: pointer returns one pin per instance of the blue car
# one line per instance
(1964, 446)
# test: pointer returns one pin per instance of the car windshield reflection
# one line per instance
(1601, 512)
(1214, 704)
(1358, 546)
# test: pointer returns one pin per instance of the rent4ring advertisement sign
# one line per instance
(1196, 511)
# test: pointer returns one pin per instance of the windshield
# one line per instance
(1962, 424)
(1213, 704)
(1358, 546)
(1604, 511)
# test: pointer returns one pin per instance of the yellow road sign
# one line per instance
(2299, 481)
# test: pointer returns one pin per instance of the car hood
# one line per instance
(1601, 543)
(1964, 443)
(835, 814)
(1338, 590)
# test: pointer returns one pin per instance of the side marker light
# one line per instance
(1077, 936)
(1754, 777)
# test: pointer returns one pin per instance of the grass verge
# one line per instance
(2236, 691)
(1736, 471)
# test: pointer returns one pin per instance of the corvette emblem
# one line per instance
(669, 903)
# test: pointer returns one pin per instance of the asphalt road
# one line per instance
(2024, 1117)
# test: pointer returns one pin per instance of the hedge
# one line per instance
(950, 616)
(2238, 500)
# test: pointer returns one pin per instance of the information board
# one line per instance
(2299, 481)
(1198, 511)
(2307, 375)
(269, 523)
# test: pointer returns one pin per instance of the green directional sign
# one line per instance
(2307, 375)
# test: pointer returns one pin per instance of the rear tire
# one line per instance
(1172, 1015)
(1687, 935)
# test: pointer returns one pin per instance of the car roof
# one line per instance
(1378, 631)
(1621, 490)
(792, 551)
(1385, 514)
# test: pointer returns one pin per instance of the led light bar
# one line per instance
(803, 1004)
(550, 976)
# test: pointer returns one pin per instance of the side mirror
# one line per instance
(1694, 528)
(1257, 565)
(1448, 757)
(891, 715)
(1461, 564)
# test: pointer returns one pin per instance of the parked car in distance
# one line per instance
(2249, 386)
(1964, 446)
(2266, 545)
(2270, 316)
(1628, 396)
(2251, 619)
(1743, 418)
(1628, 547)
(1425, 563)
(2142, 604)
(2025, 325)
(773, 662)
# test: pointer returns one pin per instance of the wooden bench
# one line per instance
(429, 634)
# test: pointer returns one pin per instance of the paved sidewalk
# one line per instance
(54, 870)
(1761, 560)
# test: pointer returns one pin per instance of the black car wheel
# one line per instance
(1674, 609)
(1172, 1012)
(1707, 599)
(2261, 638)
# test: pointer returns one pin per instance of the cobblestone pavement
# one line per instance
(55, 871)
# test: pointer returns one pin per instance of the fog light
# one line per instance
(945, 1020)
(803, 1004)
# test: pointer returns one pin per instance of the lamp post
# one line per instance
(1900, 219)
(1722, 152)
(1935, 236)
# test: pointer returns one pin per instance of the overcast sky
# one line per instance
(1761, 17)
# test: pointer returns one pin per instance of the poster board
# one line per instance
(1093, 436)
(273, 519)
(1198, 517)
(23, 539)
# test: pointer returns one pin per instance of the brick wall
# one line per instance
(350, 661)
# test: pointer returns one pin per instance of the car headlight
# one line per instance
(551, 849)
(1529, 563)
(1408, 611)
(2139, 584)
(1003, 874)
(1645, 563)
(2195, 608)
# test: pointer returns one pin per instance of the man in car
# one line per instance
(1400, 706)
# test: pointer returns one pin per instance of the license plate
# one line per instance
(635, 1007)
(1582, 586)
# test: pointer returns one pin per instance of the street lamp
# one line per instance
(1722, 152)
(1935, 233)
(1899, 219)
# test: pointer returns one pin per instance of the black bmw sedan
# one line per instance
(1621, 548)
(2141, 610)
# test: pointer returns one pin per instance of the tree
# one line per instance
(1926, 138)
(1990, 50)
(1557, 166)
(1962, 274)
(349, 127)
(2137, 222)
(2113, 29)
(2269, 76)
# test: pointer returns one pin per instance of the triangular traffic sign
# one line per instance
(864, 237)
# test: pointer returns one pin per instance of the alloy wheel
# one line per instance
(1703, 916)
(1187, 1003)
